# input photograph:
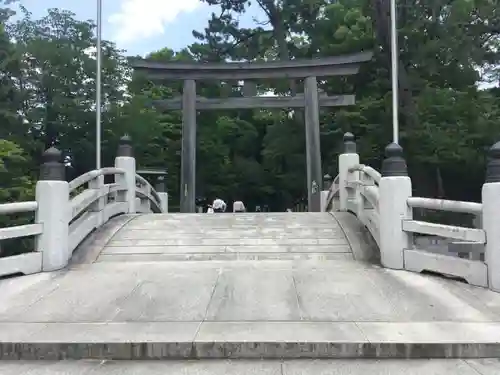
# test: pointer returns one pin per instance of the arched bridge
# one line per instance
(114, 276)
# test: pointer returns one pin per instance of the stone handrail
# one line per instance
(67, 212)
(331, 194)
(441, 230)
(147, 198)
(369, 171)
(362, 185)
(470, 240)
(383, 202)
(95, 205)
(92, 175)
(16, 208)
(24, 263)
(445, 205)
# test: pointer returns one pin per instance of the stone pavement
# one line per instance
(275, 286)
(228, 237)
(256, 367)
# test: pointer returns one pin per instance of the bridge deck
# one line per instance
(244, 367)
(274, 281)
(228, 237)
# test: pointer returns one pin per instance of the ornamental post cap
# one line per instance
(394, 164)
(348, 137)
(125, 146)
(349, 143)
(494, 151)
(51, 155)
(52, 168)
(125, 140)
(393, 150)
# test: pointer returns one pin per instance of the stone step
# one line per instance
(117, 248)
(486, 366)
(235, 219)
(232, 233)
(142, 234)
(235, 256)
(314, 215)
(228, 226)
(244, 216)
(196, 241)
(248, 340)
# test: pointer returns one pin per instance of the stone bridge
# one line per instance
(115, 280)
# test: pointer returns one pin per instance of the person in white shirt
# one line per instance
(238, 206)
(219, 205)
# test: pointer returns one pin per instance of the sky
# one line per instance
(142, 26)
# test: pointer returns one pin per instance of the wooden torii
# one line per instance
(311, 101)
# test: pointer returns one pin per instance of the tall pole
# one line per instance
(394, 71)
(98, 88)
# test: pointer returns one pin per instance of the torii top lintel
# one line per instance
(321, 67)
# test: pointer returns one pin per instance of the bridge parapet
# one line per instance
(67, 212)
(384, 203)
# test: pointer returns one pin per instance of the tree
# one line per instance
(57, 83)
(48, 96)
(443, 47)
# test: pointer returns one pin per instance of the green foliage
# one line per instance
(17, 185)
(48, 80)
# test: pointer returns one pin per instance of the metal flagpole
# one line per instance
(394, 71)
(98, 87)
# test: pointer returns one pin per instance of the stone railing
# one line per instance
(355, 189)
(383, 202)
(67, 212)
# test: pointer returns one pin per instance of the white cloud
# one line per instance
(138, 19)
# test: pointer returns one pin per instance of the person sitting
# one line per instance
(219, 205)
(238, 206)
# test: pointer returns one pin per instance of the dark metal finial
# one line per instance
(493, 165)
(349, 143)
(327, 181)
(125, 146)
(394, 164)
(160, 184)
(52, 168)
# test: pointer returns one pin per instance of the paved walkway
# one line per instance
(253, 299)
(228, 237)
(257, 367)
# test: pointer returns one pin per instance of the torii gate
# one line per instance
(248, 71)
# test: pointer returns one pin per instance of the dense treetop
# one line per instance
(47, 96)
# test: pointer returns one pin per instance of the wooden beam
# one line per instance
(321, 71)
(255, 102)
(329, 66)
(188, 158)
(313, 147)
(152, 171)
(249, 89)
